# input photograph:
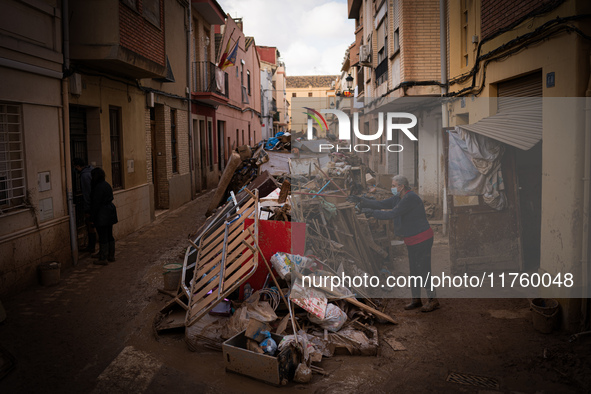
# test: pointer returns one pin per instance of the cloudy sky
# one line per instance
(311, 35)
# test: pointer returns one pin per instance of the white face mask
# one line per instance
(395, 191)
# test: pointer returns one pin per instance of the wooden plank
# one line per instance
(176, 319)
(212, 240)
(213, 297)
(243, 270)
(218, 258)
(203, 302)
(234, 264)
(219, 248)
(247, 205)
(213, 261)
(202, 270)
(285, 191)
(233, 163)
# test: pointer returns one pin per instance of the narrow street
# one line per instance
(93, 333)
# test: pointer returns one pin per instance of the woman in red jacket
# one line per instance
(407, 211)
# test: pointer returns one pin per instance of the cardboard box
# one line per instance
(255, 328)
(276, 370)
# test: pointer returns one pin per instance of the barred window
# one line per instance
(12, 163)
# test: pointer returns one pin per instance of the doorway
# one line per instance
(78, 149)
(528, 166)
(200, 149)
(154, 155)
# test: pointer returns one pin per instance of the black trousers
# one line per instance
(105, 234)
(419, 262)
(90, 230)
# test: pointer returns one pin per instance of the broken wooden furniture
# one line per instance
(224, 262)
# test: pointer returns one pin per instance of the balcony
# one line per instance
(120, 46)
(353, 7)
(210, 84)
(210, 10)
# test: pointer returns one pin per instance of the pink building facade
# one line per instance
(226, 105)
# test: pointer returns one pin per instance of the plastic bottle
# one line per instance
(247, 291)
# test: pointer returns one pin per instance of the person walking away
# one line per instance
(85, 184)
(104, 215)
(410, 222)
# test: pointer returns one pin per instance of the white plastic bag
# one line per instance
(334, 318)
(284, 263)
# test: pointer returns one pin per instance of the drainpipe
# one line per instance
(586, 255)
(189, 29)
(444, 114)
(66, 131)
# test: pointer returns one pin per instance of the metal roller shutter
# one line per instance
(518, 121)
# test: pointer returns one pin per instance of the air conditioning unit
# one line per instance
(365, 55)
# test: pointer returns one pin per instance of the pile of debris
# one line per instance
(252, 278)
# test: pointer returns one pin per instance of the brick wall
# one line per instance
(497, 14)
(182, 136)
(419, 40)
(141, 36)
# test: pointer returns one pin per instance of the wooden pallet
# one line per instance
(224, 262)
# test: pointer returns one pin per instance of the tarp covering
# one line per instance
(475, 167)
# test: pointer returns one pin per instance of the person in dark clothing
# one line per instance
(104, 215)
(85, 183)
(407, 211)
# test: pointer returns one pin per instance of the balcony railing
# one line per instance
(205, 80)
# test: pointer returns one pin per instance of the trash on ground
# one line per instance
(275, 217)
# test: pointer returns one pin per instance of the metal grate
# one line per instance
(472, 380)
(12, 170)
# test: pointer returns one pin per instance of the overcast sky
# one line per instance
(311, 35)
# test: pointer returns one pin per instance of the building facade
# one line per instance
(270, 62)
(540, 53)
(303, 91)
(34, 220)
(268, 104)
(226, 100)
(396, 54)
(112, 84)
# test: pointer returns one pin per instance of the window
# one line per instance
(242, 137)
(12, 164)
(173, 141)
(309, 94)
(130, 3)
(242, 74)
(115, 133)
(395, 27)
(464, 22)
(248, 81)
(209, 145)
(249, 140)
(151, 11)
(294, 95)
(382, 68)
